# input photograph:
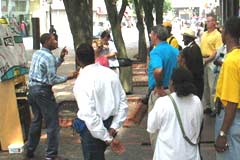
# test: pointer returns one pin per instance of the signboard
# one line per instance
(13, 62)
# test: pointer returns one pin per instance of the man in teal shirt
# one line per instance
(163, 59)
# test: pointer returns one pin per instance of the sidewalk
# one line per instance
(132, 138)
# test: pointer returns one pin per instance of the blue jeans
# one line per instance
(93, 148)
(233, 137)
(44, 106)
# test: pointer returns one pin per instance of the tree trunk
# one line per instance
(142, 46)
(148, 8)
(80, 17)
(159, 11)
(115, 21)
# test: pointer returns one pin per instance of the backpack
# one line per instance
(179, 46)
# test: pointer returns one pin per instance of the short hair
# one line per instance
(44, 37)
(232, 26)
(183, 82)
(85, 54)
(161, 32)
(213, 16)
(106, 33)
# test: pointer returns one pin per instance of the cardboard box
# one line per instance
(15, 148)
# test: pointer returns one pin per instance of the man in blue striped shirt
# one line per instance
(42, 76)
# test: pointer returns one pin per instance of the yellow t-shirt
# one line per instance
(210, 42)
(228, 84)
(174, 42)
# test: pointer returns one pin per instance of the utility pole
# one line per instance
(1, 9)
(51, 28)
(50, 11)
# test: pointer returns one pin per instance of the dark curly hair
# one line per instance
(106, 33)
(183, 82)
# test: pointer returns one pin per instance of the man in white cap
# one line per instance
(191, 58)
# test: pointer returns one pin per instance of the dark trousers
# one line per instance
(44, 106)
(199, 84)
(93, 149)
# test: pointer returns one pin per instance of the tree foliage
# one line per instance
(167, 6)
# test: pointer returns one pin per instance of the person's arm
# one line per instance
(230, 111)
(112, 50)
(156, 63)
(52, 72)
(210, 58)
(60, 59)
(159, 89)
(230, 97)
(88, 114)
(122, 111)
(110, 54)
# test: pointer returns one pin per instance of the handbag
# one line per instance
(79, 125)
(180, 123)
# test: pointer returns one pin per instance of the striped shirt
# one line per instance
(44, 68)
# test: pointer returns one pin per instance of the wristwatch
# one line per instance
(222, 134)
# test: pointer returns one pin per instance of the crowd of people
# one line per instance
(183, 84)
(211, 72)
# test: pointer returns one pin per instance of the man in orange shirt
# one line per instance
(227, 126)
(210, 41)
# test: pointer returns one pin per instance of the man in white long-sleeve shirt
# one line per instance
(101, 101)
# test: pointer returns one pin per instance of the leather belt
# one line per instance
(42, 83)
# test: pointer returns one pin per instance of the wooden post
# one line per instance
(11, 130)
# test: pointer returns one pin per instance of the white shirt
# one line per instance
(113, 62)
(99, 95)
(170, 144)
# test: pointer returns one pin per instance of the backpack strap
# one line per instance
(170, 41)
(180, 123)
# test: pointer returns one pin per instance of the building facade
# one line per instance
(229, 8)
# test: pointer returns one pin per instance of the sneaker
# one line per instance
(28, 155)
(56, 158)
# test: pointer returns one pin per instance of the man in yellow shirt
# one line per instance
(210, 41)
(227, 127)
(171, 39)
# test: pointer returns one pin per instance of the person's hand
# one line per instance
(108, 143)
(221, 144)
(117, 147)
(63, 52)
(112, 132)
(159, 91)
(72, 75)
